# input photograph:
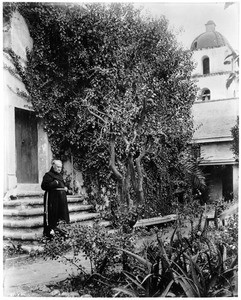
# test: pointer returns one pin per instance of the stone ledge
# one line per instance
(38, 221)
(23, 212)
(28, 234)
(23, 202)
(156, 221)
(23, 236)
(30, 212)
(75, 217)
(38, 201)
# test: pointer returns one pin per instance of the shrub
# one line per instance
(191, 267)
(202, 264)
(98, 244)
(12, 249)
(227, 235)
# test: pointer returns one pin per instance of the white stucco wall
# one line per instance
(216, 60)
(217, 153)
(219, 73)
(214, 118)
(11, 85)
(76, 177)
(16, 37)
(217, 86)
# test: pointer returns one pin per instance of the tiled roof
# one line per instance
(211, 39)
(214, 119)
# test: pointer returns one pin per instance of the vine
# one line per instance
(114, 90)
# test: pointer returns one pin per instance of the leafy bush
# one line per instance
(12, 249)
(235, 142)
(227, 235)
(97, 244)
(114, 91)
(201, 264)
(191, 267)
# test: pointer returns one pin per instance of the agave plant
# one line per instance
(149, 284)
(185, 267)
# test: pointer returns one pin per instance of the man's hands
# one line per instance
(65, 188)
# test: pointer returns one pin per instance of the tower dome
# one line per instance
(209, 39)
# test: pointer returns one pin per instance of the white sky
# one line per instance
(189, 15)
(192, 17)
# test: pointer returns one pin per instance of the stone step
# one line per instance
(29, 194)
(77, 217)
(29, 212)
(21, 235)
(32, 236)
(23, 215)
(25, 202)
(156, 221)
(37, 221)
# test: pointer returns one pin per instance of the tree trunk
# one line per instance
(123, 180)
(126, 187)
(132, 176)
(139, 189)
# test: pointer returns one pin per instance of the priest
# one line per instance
(55, 200)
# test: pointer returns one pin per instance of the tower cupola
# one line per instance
(209, 39)
(210, 26)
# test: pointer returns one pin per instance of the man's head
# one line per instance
(57, 165)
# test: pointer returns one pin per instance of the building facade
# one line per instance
(27, 153)
(215, 112)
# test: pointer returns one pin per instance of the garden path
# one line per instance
(26, 276)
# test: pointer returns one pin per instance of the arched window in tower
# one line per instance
(206, 65)
(206, 95)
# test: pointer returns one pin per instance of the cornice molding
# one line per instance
(215, 100)
(212, 140)
(211, 74)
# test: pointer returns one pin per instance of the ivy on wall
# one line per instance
(114, 90)
(235, 135)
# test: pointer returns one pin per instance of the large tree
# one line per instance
(114, 89)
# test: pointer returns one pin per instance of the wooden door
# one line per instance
(26, 146)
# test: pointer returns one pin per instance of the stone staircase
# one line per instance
(23, 216)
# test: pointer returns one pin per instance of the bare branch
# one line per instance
(94, 114)
(46, 82)
(100, 112)
(134, 138)
(127, 144)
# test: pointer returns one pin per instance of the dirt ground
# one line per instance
(27, 276)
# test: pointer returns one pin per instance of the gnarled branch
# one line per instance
(94, 114)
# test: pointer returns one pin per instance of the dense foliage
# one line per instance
(158, 262)
(235, 135)
(114, 91)
(234, 76)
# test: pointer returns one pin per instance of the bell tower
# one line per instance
(215, 112)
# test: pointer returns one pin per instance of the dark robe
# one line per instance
(55, 201)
